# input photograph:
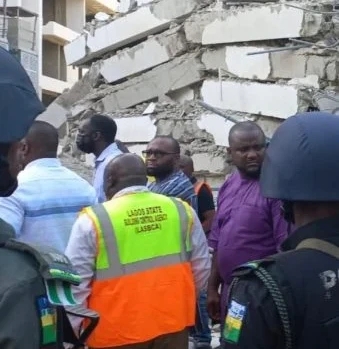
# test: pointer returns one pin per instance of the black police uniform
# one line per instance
(308, 318)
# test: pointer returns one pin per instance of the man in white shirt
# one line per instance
(49, 196)
(96, 135)
(125, 178)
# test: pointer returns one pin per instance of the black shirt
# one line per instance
(205, 200)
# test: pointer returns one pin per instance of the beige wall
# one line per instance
(53, 63)
(75, 15)
(54, 10)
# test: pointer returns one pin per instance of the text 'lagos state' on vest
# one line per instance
(146, 219)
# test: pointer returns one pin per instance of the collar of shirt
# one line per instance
(324, 229)
(45, 162)
(112, 148)
(131, 190)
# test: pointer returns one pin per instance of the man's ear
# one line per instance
(96, 136)
(228, 155)
(24, 147)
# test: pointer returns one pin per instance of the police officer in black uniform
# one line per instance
(291, 300)
(30, 277)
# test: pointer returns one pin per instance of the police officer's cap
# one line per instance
(19, 103)
(302, 160)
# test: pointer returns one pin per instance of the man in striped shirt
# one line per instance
(49, 196)
(162, 161)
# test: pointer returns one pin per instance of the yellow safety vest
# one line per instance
(143, 285)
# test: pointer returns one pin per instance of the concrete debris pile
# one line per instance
(234, 56)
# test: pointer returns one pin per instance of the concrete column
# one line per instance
(75, 14)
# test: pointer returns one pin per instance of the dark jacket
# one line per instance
(20, 287)
(308, 285)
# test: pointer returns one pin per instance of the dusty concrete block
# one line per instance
(125, 30)
(137, 148)
(127, 127)
(182, 95)
(308, 81)
(250, 97)
(180, 72)
(251, 24)
(329, 101)
(234, 59)
(55, 114)
(316, 65)
(155, 51)
(187, 131)
(76, 50)
(214, 59)
(217, 126)
(250, 67)
(288, 64)
(165, 127)
(268, 125)
(206, 162)
(332, 71)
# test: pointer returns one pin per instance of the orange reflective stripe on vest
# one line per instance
(146, 289)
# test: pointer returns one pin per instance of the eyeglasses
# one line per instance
(156, 153)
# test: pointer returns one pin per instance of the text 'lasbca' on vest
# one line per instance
(143, 285)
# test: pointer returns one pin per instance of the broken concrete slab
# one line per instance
(155, 51)
(55, 114)
(258, 23)
(203, 161)
(134, 26)
(267, 66)
(127, 129)
(180, 72)
(217, 126)
(275, 100)
(288, 64)
(76, 50)
(182, 95)
(316, 65)
(268, 125)
(248, 67)
(308, 81)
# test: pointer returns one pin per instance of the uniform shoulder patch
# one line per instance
(233, 322)
(48, 320)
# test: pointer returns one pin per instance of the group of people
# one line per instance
(139, 251)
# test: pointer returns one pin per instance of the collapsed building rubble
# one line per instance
(237, 56)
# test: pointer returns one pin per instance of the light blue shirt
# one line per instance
(46, 203)
(101, 162)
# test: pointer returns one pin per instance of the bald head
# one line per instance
(125, 170)
(43, 136)
(244, 128)
(186, 165)
(247, 144)
(40, 142)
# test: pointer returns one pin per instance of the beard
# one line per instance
(85, 147)
(255, 174)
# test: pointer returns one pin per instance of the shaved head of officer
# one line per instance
(125, 170)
